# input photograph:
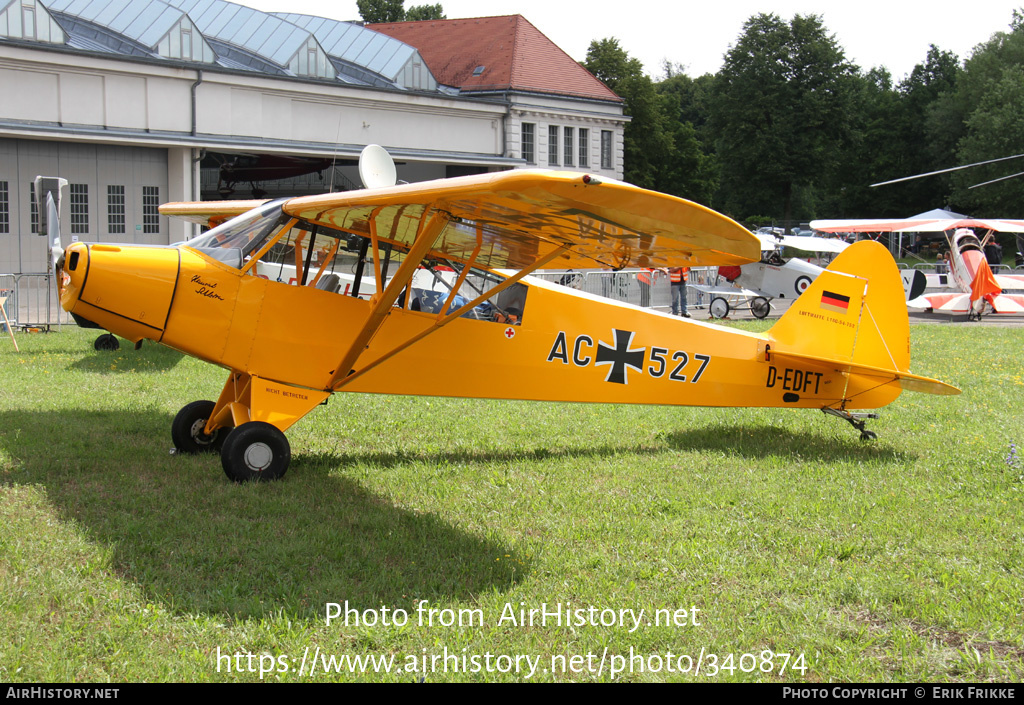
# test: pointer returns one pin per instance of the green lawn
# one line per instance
(896, 560)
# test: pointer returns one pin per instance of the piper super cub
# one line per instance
(403, 324)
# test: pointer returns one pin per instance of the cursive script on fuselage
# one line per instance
(206, 288)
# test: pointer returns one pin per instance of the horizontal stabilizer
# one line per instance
(903, 380)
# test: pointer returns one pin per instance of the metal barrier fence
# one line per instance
(628, 285)
(32, 301)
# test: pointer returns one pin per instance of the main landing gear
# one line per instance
(253, 451)
(855, 420)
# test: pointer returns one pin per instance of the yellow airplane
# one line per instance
(424, 289)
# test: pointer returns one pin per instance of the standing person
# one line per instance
(646, 278)
(678, 277)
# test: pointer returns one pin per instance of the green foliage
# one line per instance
(374, 11)
(991, 101)
(780, 109)
(425, 12)
(660, 151)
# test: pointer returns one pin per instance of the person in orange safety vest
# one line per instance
(646, 277)
(678, 277)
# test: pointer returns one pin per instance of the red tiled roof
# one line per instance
(514, 55)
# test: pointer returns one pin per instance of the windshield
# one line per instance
(232, 241)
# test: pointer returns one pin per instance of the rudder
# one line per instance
(854, 312)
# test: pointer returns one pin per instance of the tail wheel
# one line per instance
(255, 451)
(188, 429)
(719, 307)
(760, 307)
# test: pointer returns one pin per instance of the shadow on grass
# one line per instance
(151, 357)
(762, 441)
(175, 526)
(309, 462)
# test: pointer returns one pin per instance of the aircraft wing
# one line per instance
(208, 213)
(515, 219)
(961, 303)
(869, 225)
(1010, 282)
(916, 225)
(728, 291)
(814, 244)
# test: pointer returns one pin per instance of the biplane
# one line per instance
(452, 311)
(976, 289)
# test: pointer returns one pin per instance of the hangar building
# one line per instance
(140, 102)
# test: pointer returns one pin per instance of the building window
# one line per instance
(568, 146)
(528, 142)
(553, 145)
(186, 44)
(28, 21)
(584, 147)
(5, 209)
(33, 207)
(79, 209)
(606, 149)
(151, 209)
(115, 210)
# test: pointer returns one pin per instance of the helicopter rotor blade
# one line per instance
(946, 171)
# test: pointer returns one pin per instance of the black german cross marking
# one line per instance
(620, 357)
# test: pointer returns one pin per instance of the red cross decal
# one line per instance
(510, 332)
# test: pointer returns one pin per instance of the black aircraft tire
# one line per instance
(718, 308)
(759, 307)
(107, 341)
(255, 451)
(187, 429)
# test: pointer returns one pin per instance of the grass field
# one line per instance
(896, 560)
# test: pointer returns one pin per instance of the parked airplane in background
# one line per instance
(288, 346)
(776, 276)
(977, 289)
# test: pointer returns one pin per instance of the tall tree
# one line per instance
(646, 140)
(374, 11)
(418, 13)
(991, 94)
(691, 171)
(780, 113)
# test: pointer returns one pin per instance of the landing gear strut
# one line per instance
(855, 420)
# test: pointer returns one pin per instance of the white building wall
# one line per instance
(593, 116)
(103, 121)
(95, 166)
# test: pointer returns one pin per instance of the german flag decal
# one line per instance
(838, 303)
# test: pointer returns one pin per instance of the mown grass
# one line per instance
(897, 560)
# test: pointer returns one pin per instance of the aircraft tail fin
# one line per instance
(853, 319)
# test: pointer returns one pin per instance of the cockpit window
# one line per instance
(268, 243)
(232, 241)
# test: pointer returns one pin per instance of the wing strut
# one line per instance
(441, 322)
(381, 303)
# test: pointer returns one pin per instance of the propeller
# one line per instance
(53, 230)
(48, 190)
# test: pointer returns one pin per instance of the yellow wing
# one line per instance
(516, 218)
(208, 213)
